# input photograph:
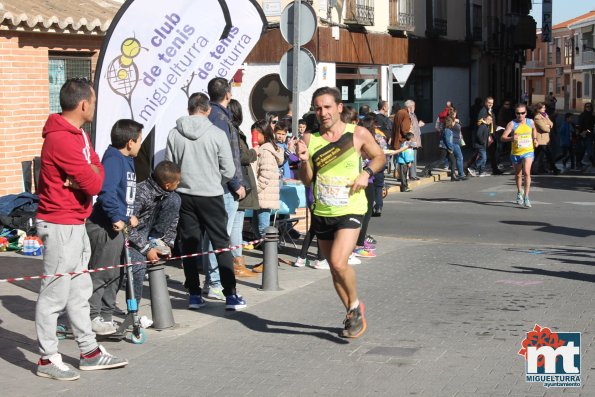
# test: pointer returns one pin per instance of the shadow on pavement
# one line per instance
(258, 324)
(584, 183)
(22, 307)
(11, 344)
(457, 200)
(549, 228)
(569, 255)
(531, 271)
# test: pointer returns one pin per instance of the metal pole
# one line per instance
(161, 311)
(295, 98)
(270, 277)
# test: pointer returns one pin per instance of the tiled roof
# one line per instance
(86, 16)
(565, 24)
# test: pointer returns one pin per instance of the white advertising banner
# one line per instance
(153, 49)
(224, 58)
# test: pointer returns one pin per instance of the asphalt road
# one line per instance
(482, 210)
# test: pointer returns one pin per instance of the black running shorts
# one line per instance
(324, 227)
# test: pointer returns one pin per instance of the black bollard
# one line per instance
(270, 278)
(163, 316)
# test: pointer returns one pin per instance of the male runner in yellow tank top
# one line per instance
(331, 160)
(524, 142)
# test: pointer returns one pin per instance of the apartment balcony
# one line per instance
(535, 64)
(401, 16)
(588, 58)
(359, 12)
(438, 28)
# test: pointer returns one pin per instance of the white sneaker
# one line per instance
(300, 262)
(145, 322)
(353, 260)
(320, 265)
(472, 172)
(214, 293)
(101, 327)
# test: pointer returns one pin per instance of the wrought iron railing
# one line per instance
(359, 12)
(401, 15)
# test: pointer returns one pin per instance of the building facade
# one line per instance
(459, 49)
(565, 66)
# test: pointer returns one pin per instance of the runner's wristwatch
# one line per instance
(369, 171)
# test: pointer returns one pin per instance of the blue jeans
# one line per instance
(459, 158)
(481, 160)
(261, 219)
(236, 233)
(209, 264)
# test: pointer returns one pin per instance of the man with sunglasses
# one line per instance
(524, 142)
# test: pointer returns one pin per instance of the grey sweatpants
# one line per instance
(66, 249)
(107, 247)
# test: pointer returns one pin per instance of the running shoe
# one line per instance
(195, 302)
(320, 265)
(520, 197)
(235, 302)
(300, 262)
(472, 172)
(355, 323)
(527, 202)
(364, 253)
(353, 260)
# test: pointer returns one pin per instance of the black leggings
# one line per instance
(370, 192)
(306, 245)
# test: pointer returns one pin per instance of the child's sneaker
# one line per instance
(300, 262)
(234, 302)
(320, 265)
(100, 359)
(369, 246)
(353, 260)
(215, 293)
(54, 368)
(364, 253)
(195, 302)
(527, 202)
(371, 240)
(520, 197)
(101, 327)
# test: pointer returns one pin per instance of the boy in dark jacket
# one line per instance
(480, 144)
(111, 213)
(157, 208)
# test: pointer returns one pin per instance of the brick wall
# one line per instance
(24, 95)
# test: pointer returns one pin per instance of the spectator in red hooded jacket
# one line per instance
(71, 174)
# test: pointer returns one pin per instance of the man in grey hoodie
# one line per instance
(204, 156)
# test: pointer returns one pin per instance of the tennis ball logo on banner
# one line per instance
(122, 72)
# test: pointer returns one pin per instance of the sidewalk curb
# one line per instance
(435, 177)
